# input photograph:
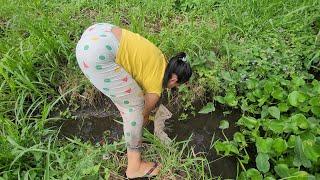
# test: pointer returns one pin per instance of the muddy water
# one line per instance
(203, 127)
(94, 125)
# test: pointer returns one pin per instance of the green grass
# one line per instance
(228, 42)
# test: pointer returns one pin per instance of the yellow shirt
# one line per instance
(143, 60)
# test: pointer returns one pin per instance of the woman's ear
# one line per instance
(174, 78)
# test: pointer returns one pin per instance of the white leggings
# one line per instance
(96, 54)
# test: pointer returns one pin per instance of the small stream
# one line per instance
(94, 125)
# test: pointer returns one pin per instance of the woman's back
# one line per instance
(143, 60)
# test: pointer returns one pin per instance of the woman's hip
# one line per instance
(97, 48)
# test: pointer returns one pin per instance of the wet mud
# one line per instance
(99, 126)
(94, 125)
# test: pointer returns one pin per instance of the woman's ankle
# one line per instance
(134, 160)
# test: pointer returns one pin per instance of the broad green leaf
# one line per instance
(282, 170)
(264, 145)
(311, 150)
(284, 82)
(314, 101)
(252, 83)
(251, 97)
(308, 135)
(253, 174)
(248, 122)
(300, 158)
(304, 108)
(313, 123)
(300, 120)
(279, 145)
(292, 170)
(208, 108)
(220, 147)
(302, 175)
(274, 111)
(283, 107)
(298, 81)
(292, 141)
(262, 162)
(295, 98)
(277, 93)
(316, 110)
(254, 134)
(239, 138)
(268, 87)
(219, 99)
(226, 147)
(292, 127)
(224, 124)
(316, 86)
(276, 126)
(234, 149)
(262, 100)
(258, 93)
(231, 99)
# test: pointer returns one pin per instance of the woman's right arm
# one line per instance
(150, 101)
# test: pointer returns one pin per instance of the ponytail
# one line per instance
(179, 66)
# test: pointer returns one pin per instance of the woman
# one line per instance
(132, 72)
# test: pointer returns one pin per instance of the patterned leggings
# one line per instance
(96, 53)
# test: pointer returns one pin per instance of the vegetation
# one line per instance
(258, 56)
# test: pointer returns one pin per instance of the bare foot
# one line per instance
(144, 168)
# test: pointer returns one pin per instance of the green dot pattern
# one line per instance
(102, 57)
(103, 35)
(106, 89)
(133, 123)
(130, 110)
(109, 47)
(98, 67)
(126, 102)
(128, 134)
(107, 80)
(86, 47)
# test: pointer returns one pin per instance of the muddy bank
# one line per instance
(100, 126)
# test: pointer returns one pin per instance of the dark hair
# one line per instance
(178, 66)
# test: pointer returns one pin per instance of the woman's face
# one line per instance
(173, 85)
